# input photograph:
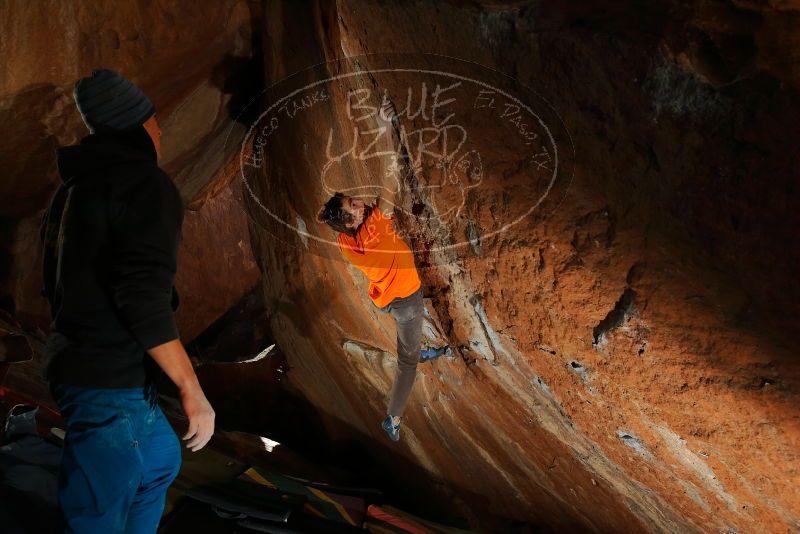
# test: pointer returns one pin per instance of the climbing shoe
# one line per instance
(430, 354)
(391, 429)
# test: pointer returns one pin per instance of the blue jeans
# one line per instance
(120, 456)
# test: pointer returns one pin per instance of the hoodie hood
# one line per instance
(101, 152)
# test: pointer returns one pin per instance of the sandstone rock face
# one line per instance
(625, 359)
(169, 49)
(216, 265)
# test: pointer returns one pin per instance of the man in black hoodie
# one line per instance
(110, 240)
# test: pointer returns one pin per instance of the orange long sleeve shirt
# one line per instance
(383, 257)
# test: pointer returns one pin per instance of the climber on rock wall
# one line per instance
(368, 240)
(110, 239)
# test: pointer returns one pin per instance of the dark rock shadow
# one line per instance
(242, 77)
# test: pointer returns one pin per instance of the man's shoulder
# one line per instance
(165, 181)
(347, 244)
(144, 175)
(150, 180)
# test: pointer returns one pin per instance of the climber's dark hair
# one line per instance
(334, 216)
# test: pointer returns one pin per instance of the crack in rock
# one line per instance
(634, 443)
(583, 373)
(616, 317)
(302, 231)
(472, 233)
(496, 346)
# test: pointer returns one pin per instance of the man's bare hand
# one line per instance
(172, 358)
(201, 418)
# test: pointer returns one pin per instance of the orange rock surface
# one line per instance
(631, 364)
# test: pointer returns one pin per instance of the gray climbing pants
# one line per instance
(407, 313)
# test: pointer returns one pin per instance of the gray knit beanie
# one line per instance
(107, 100)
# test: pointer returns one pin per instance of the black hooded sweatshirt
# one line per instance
(110, 238)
